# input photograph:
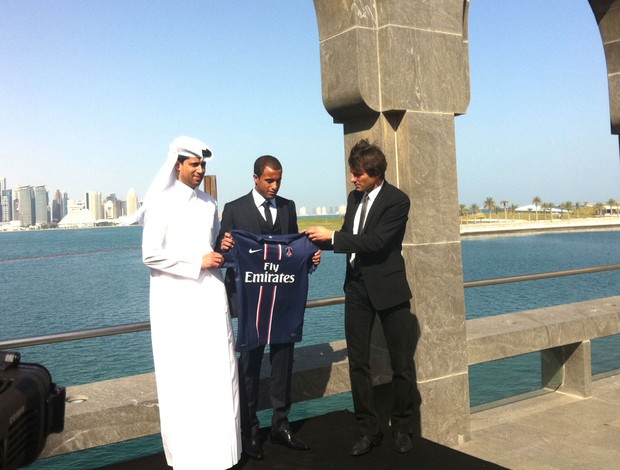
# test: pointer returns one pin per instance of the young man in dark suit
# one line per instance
(262, 211)
(375, 286)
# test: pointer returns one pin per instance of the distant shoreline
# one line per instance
(499, 227)
(483, 228)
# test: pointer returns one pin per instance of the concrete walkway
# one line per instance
(552, 431)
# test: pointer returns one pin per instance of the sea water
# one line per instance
(64, 280)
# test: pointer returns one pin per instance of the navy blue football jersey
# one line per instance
(271, 275)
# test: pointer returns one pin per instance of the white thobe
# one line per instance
(192, 337)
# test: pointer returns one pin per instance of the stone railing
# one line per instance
(121, 409)
(562, 334)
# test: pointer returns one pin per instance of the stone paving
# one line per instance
(552, 431)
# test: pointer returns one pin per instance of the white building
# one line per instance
(77, 216)
(94, 204)
(132, 202)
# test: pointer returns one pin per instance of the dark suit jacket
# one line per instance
(379, 246)
(242, 214)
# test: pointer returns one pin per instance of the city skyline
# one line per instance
(332, 209)
(32, 206)
(94, 98)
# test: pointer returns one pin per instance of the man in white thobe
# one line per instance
(192, 337)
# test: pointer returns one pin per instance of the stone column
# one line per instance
(607, 14)
(397, 72)
(568, 369)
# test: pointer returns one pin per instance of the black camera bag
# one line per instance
(31, 407)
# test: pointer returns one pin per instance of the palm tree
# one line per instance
(463, 212)
(548, 206)
(568, 207)
(474, 209)
(577, 207)
(489, 204)
(537, 201)
(612, 205)
(505, 203)
(513, 209)
(600, 208)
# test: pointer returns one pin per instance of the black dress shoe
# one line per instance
(402, 442)
(253, 449)
(288, 439)
(366, 443)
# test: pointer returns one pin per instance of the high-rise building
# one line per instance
(94, 204)
(112, 207)
(6, 202)
(59, 206)
(6, 205)
(2, 189)
(25, 208)
(41, 205)
(110, 210)
(132, 202)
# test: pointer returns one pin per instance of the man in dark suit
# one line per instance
(375, 285)
(260, 212)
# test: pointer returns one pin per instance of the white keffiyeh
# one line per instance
(180, 147)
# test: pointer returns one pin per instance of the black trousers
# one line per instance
(281, 359)
(398, 327)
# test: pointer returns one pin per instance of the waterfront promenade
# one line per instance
(529, 432)
(553, 431)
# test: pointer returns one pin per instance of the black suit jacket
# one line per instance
(242, 214)
(379, 246)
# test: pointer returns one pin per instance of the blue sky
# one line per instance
(92, 93)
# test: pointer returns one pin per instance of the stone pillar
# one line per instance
(397, 72)
(568, 369)
(607, 14)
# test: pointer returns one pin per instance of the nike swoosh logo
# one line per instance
(254, 251)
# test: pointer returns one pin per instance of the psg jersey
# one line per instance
(271, 276)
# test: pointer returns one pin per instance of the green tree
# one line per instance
(474, 209)
(548, 206)
(513, 209)
(489, 205)
(537, 201)
(504, 204)
(599, 207)
(613, 206)
(464, 212)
